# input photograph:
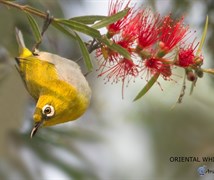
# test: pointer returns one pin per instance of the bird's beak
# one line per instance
(35, 129)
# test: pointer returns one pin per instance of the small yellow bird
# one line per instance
(56, 83)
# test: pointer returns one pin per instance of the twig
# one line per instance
(25, 8)
(93, 46)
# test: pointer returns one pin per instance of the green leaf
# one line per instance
(76, 26)
(115, 47)
(85, 53)
(87, 19)
(64, 30)
(80, 27)
(111, 19)
(35, 27)
(147, 87)
(203, 37)
(192, 86)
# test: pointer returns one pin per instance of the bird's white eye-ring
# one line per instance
(48, 110)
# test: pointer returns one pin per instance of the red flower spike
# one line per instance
(116, 6)
(130, 31)
(186, 57)
(148, 29)
(154, 65)
(126, 43)
(166, 71)
(124, 69)
(108, 57)
(171, 33)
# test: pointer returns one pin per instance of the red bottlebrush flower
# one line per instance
(114, 7)
(130, 31)
(109, 57)
(186, 57)
(126, 43)
(154, 65)
(171, 33)
(124, 69)
(148, 29)
(106, 57)
(166, 71)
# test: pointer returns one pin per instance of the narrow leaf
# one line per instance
(147, 87)
(35, 27)
(203, 37)
(87, 19)
(192, 86)
(80, 27)
(95, 34)
(111, 19)
(64, 30)
(85, 53)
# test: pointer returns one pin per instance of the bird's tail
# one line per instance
(23, 51)
(20, 40)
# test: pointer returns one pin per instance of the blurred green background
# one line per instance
(115, 139)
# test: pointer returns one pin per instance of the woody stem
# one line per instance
(25, 8)
(210, 71)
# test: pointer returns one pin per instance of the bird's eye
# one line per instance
(48, 110)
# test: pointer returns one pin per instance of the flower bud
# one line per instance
(199, 73)
(191, 76)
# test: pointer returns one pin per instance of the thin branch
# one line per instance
(93, 45)
(25, 8)
(210, 71)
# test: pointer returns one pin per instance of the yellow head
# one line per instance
(59, 103)
(57, 84)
